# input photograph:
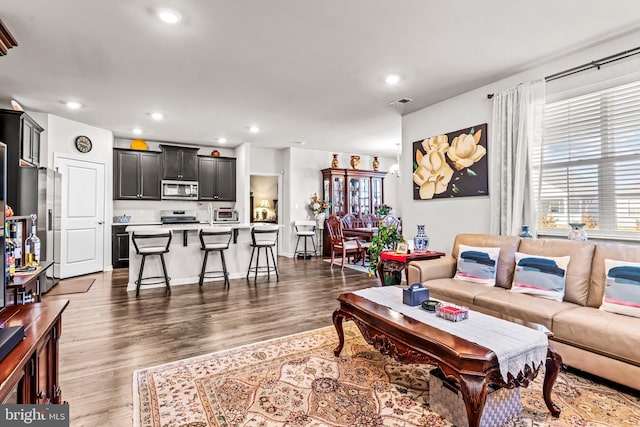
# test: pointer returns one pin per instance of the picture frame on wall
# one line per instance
(451, 165)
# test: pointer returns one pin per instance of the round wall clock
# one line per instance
(83, 144)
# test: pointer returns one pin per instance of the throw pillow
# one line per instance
(622, 288)
(540, 275)
(477, 264)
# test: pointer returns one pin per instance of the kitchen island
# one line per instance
(184, 260)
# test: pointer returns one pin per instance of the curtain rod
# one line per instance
(593, 64)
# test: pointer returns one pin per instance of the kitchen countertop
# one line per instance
(194, 226)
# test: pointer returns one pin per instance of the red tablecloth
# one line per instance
(394, 256)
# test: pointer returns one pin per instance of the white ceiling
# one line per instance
(302, 70)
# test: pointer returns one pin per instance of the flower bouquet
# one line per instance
(318, 206)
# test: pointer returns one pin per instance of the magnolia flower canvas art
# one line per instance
(451, 165)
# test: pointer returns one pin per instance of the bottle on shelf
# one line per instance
(32, 245)
(6, 254)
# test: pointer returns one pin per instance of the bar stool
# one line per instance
(214, 240)
(263, 237)
(305, 230)
(152, 242)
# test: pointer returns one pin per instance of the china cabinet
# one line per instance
(352, 191)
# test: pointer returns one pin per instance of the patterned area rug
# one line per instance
(296, 381)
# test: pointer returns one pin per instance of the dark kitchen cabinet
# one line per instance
(217, 178)
(21, 134)
(136, 175)
(179, 163)
(119, 246)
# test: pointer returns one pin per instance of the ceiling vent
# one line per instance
(400, 104)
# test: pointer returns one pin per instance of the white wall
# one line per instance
(60, 139)
(444, 218)
(303, 178)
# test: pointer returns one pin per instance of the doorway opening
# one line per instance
(263, 202)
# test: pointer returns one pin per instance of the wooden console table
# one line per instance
(29, 281)
(29, 373)
(390, 262)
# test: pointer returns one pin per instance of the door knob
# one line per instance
(100, 222)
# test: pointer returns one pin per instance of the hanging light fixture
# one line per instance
(395, 168)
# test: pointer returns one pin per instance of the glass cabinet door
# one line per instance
(376, 193)
(354, 198)
(364, 198)
(337, 198)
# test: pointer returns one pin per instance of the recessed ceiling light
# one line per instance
(73, 105)
(254, 129)
(222, 140)
(392, 79)
(157, 116)
(168, 16)
(137, 131)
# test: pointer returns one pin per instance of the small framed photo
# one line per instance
(402, 248)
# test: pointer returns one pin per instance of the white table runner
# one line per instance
(514, 345)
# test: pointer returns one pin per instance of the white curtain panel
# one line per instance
(516, 130)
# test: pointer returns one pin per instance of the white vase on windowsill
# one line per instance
(577, 232)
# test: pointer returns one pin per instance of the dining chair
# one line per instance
(370, 220)
(345, 246)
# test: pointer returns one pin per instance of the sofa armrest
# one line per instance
(439, 268)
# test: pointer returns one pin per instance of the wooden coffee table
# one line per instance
(407, 340)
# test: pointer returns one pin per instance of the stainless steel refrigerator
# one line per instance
(48, 222)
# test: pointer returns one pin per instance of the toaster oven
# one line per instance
(223, 214)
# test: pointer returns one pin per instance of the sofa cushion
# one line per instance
(477, 264)
(597, 330)
(579, 269)
(522, 306)
(622, 290)
(455, 290)
(508, 246)
(539, 275)
(602, 252)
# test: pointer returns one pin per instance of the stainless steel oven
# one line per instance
(179, 190)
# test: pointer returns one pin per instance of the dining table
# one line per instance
(364, 233)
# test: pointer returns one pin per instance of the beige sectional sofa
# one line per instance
(599, 342)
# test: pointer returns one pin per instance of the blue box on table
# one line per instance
(415, 294)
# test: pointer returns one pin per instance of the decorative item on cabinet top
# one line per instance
(16, 106)
(139, 144)
(376, 163)
(215, 153)
(334, 162)
(355, 161)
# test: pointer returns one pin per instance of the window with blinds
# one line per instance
(588, 167)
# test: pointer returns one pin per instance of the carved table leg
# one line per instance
(337, 323)
(474, 393)
(552, 369)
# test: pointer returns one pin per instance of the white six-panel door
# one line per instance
(82, 216)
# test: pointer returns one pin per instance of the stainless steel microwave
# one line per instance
(179, 190)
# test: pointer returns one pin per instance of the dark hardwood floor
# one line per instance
(107, 333)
